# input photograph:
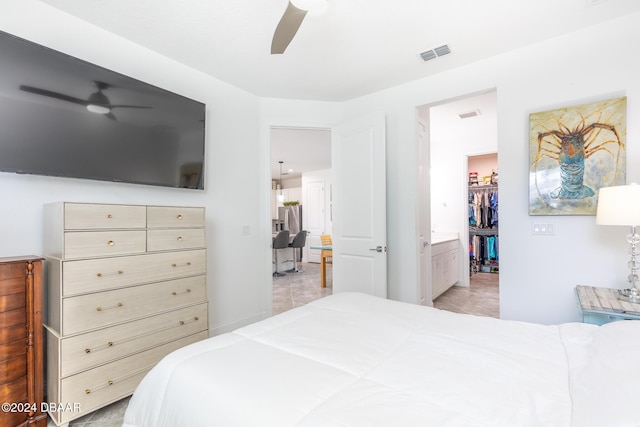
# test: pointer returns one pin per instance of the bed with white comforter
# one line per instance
(356, 360)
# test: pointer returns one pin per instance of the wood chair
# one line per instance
(326, 241)
(324, 256)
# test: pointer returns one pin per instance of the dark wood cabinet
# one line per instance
(21, 345)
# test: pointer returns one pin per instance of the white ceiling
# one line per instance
(300, 150)
(356, 47)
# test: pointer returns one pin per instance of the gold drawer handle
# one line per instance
(184, 322)
(183, 292)
(109, 216)
(185, 264)
(110, 382)
(111, 243)
(109, 274)
(179, 217)
(110, 307)
(109, 344)
(179, 238)
(87, 391)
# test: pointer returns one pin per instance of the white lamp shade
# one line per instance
(619, 205)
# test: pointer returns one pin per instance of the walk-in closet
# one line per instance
(483, 202)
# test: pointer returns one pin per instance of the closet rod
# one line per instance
(474, 188)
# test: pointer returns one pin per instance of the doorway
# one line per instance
(457, 130)
(303, 181)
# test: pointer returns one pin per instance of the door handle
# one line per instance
(377, 249)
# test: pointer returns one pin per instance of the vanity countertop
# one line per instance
(437, 238)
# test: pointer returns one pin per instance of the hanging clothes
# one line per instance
(483, 228)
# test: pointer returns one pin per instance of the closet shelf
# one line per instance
(483, 187)
(483, 231)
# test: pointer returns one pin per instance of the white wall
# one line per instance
(235, 292)
(537, 273)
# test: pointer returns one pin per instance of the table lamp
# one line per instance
(620, 205)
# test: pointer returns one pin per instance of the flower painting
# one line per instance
(573, 152)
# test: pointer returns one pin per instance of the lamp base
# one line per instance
(630, 295)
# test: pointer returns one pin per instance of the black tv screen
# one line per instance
(61, 116)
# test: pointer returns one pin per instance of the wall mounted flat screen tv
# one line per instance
(64, 117)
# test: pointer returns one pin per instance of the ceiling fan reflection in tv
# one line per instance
(96, 103)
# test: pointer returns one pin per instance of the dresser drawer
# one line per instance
(14, 392)
(13, 349)
(91, 311)
(85, 351)
(13, 301)
(13, 369)
(171, 217)
(13, 333)
(172, 239)
(85, 216)
(115, 380)
(94, 275)
(90, 244)
(13, 270)
(13, 317)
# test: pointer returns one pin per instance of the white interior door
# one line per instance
(360, 207)
(424, 214)
(315, 217)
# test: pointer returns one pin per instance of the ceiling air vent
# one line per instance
(435, 53)
(442, 50)
(428, 55)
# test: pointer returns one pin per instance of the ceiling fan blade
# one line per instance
(52, 94)
(287, 28)
(126, 106)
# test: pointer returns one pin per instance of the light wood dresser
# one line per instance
(21, 343)
(125, 287)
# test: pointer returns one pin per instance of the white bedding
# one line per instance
(356, 360)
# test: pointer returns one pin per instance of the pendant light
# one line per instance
(280, 196)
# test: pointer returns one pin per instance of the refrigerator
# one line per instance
(291, 219)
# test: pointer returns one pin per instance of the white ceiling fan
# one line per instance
(291, 21)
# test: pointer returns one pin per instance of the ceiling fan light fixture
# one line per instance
(311, 6)
(97, 103)
(98, 109)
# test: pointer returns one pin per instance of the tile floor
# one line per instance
(296, 289)
(480, 298)
(109, 416)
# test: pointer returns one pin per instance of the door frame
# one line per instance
(265, 194)
(427, 206)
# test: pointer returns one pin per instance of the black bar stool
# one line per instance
(298, 243)
(280, 242)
